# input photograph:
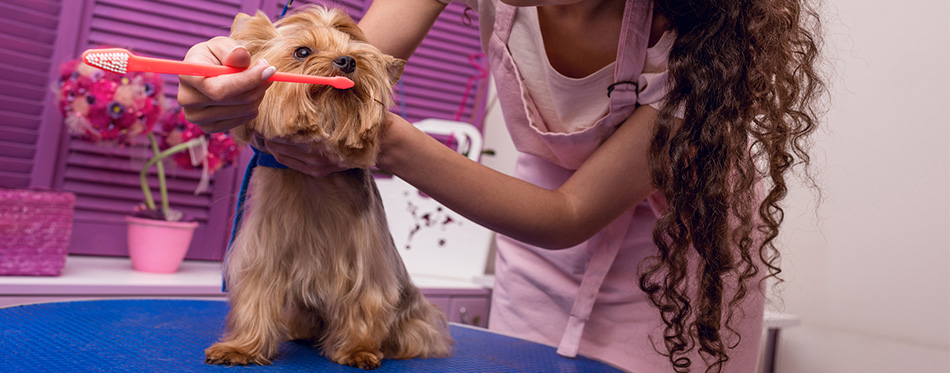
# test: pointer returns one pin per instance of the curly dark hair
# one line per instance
(746, 75)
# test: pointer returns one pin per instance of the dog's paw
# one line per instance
(222, 354)
(363, 359)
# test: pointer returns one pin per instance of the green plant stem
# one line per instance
(156, 159)
(149, 202)
(160, 167)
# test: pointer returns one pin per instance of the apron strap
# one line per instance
(504, 19)
(631, 53)
(604, 247)
(634, 40)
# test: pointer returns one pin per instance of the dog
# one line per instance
(314, 258)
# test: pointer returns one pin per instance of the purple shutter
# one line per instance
(105, 178)
(29, 47)
(355, 8)
(434, 82)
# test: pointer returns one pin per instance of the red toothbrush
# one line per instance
(120, 61)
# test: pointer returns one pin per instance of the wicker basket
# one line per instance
(35, 226)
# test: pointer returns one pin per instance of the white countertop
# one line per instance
(90, 275)
(115, 276)
(779, 320)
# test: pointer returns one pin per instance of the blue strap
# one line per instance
(266, 160)
(286, 6)
(259, 159)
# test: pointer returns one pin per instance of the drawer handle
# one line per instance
(466, 320)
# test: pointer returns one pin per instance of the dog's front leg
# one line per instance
(358, 336)
(255, 329)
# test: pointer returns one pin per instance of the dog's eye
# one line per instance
(302, 53)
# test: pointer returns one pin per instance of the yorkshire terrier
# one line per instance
(314, 258)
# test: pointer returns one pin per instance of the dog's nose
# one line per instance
(345, 63)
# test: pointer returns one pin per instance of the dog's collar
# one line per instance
(266, 160)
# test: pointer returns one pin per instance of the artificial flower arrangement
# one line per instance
(109, 108)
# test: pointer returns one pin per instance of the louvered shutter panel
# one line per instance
(28, 49)
(436, 76)
(105, 178)
(355, 8)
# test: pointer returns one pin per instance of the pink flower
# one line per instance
(116, 107)
(222, 151)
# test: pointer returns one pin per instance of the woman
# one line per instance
(632, 231)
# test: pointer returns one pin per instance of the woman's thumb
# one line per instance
(238, 56)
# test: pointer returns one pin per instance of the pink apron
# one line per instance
(610, 318)
(547, 158)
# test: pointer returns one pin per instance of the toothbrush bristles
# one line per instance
(114, 62)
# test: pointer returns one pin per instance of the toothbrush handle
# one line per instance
(163, 66)
(340, 82)
(157, 65)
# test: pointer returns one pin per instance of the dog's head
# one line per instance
(321, 41)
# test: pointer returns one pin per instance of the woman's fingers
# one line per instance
(304, 157)
(208, 114)
(230, 88)
(214, 103)
(236, 56)
(216, 51)
(219, 117)
(293, 149)
(227, 91)
(224, 124)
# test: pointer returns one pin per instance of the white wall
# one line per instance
(869, 271)
(496, 136)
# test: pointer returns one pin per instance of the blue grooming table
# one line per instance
(148, 335)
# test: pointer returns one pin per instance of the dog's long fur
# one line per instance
(314, 258)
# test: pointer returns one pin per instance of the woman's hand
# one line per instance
(223, 102)
(308, 158)
(311, 158)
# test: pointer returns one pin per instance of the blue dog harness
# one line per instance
(259, 159)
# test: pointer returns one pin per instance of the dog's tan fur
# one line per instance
(314, 258)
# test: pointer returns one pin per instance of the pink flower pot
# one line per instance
(157, 245)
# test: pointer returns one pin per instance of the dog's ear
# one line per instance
(257, 28)
(394, 67)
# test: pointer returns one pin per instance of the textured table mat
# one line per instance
(171, 336)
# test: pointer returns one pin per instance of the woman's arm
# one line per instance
(612, 180)
(397, 27)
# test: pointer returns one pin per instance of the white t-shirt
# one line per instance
(572, 104)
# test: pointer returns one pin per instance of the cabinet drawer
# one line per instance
(469, 311)
(463, 306)
(442, 302)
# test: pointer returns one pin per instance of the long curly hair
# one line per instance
(746, 75)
